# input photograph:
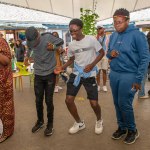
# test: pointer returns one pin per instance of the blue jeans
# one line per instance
(44, 88)
(123, 95)
(142, 91)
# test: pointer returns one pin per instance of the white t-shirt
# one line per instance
(84, 50)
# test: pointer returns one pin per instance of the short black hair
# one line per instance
(122, 12)
(77, 22)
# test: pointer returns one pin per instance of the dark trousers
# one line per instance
(123, 96)
(44, 86)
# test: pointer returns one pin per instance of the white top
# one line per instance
(84, 50)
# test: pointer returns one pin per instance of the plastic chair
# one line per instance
(23, 71)
(15, 76)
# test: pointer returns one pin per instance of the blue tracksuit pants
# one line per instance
(123, 95)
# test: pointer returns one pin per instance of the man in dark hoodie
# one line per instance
(129, 56)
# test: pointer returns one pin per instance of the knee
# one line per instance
(69, 100)
(94, 104)
(125, 107)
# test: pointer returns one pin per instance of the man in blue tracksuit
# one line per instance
(129, 57)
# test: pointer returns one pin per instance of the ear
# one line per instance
(128, 21)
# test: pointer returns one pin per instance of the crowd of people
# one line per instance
(125, 51)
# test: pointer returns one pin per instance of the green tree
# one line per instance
(89, 20)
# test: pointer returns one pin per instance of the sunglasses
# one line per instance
(74, 31)
(119, 22)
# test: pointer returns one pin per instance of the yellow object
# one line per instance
(23, 71)
(15, 76)
(80, 98)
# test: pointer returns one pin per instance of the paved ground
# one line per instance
(23, 139)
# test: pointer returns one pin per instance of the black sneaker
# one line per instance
(118, 134)
(37, 126)
(49, 130)
(131, 137)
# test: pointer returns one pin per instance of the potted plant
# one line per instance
(89, 20)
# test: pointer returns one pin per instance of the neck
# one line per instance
(80, 37)
(101, 35)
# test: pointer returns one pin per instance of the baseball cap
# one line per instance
(100, 26)
(31, 36)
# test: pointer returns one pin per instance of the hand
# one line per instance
(31, 60)
(58, 70)
(136, 86)
(61, 50)
(114, 53)
(50, 47)
(88, 68)
(26, 62)
(109, 60)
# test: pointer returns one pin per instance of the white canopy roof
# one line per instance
(71, 8)
(15, 14)
(142, 15)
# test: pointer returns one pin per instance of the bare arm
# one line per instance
(4, 60)
(68, 63)
(62, 68)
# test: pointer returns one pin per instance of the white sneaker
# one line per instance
(77, 127)
(99, 127)
(59, 88)
(56, 89)
(98, 88)
(105, 88)
(144, 97)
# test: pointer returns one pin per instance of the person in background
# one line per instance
(1, 35)
(82, 52)
(148, 39)
(7, 114)
(129, 56)
(141, 93)
(12, 47)
(20, 51)
(12, 50)
(58, 54)
(103, 64)
(43, 46)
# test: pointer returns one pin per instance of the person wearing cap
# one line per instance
(103, 64)
(129, 56)
(43, 47)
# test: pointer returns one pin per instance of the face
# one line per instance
(120, 23)
(75, 31)
(18, 42)
(55, 34)
(100, 31)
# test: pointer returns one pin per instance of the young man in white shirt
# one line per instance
(82, 51)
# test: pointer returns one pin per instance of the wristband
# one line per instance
(54, 46)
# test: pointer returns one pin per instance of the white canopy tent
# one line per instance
(142, 15)
(9, 14)
(71, 8)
